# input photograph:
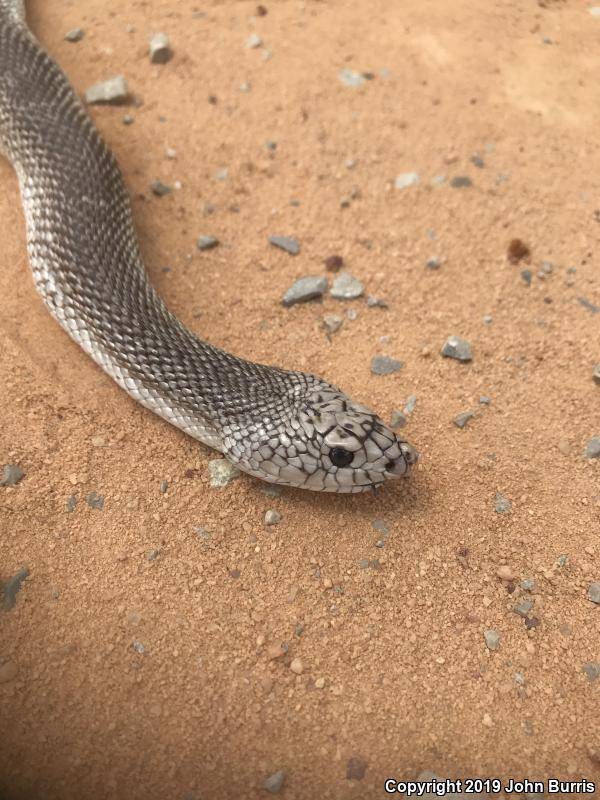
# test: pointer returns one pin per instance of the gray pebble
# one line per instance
(487, 319)
(458, 348)
(71, 503)
(351, 78)
(363, 563)
(588, 304)
(528, 584)
(461, 420)
(307, 288)
(160, 189)
(376, 302)
(485, 400)
(112, 91)
(95, 501)
(461, 182)
(379, 525)
(523, 607)
(286, 243)
(128, 119)
(222, 472)
(202, 533)
(596, 374)
(76, 35)
(593, 592)
(592, 449)
(207, 242)
(332, 323)
(384, 365)
(492, 639)
(478, 161)
(405, 179)
(547, 267)
(410, 405)
(397, 419)
(274, 783)
(591, 670)
(139, 647)
(502, 504)
(11, 587)
(526, 276)
(433, 263)
(272, 517)
(159, 49)
(11, 475)
(346, 287)
(163, 487)
(253, 41)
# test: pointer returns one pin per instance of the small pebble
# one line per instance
(384, 365)
(485, 400)
(433, 263)
(592, 449)
(170, 153)
(523, 608)
(127, 119)
(296, 666)
(320, 683)
(272, 517)
(356, 768)
(11, 475)
(75, 35)
(11, 588)
(492, 639)
(253, 41)
(207, 242)
(351, 78)
(376, 302)
(591, 670)
(502, 504)
(547, 267)
(477, 161)
(286, 243)
(526, 276)
(160, 189)
(159, 49)
(596, 374)
(334, 263)
(110, 92)
(71, 503)
(307, 288)
(588, 304)
(461, 420)
(505, 573)
(461, 182)
(222, 472)
(405, 179)
(346, 287)
(332, 323)
(458, 348)
(528, 584)
(163, 487)
(411, 404)
(274, 783)
(593, 592)
(95, 501)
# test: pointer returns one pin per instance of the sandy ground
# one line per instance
(140, 658)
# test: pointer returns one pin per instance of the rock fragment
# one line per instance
(274, 783)
(492, 639)
(593, 592)
(222, 472)
(592, 448)
(159, 48)
(286, 243)
(461, 182)
(502, 504)
(272, 517)
(461, 420)
(113, 91)
(11, 475)
(75, 35)
(384, 365)
(596, 374)
(253, 41)
(304, 289)
(207, 242)
(406, 179)
(351, 78)
(346, 287)
(11, 588)
(457, 348)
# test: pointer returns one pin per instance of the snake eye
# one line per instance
(340, 457)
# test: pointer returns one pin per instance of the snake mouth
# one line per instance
(400, 467)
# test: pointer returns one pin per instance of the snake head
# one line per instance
(328, 443)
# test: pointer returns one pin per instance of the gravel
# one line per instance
(159, 48)
(528, 584)
(334, 263)
(523, 608)
(591, 670)
(461, 182)
(406, 179)
(307, 288)
(596, 374)
(95, 501)
(398, 419)
(75, 35)
(526, 276)
(274, 783)
(384, 365)
(160, 189)
(346, 287)
(11, 588)
(291, 246)
(433, 263)
(351, 78)
(592, 449)
(297, 666)
(502, 504)
(71, 503)
(458, 348)
(356, 768)
(332, 323)
(253, 41)
(461, 420)
(272, 517)
(492, 639)
(113, 91)
(588, 304)
(411, 404)
(222, 472)
(207, 242)
(376, 302)
(593, 592)
(11, 475)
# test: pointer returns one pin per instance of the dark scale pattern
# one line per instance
(87, 267)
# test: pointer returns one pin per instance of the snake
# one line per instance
(282, 426)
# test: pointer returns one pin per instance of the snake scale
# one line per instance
(283, 426)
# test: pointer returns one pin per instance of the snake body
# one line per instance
(282, 426)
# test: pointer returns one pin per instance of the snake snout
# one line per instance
(400, 467)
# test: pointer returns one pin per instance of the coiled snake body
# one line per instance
(282, 426)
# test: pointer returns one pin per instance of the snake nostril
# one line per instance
(390, 465)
